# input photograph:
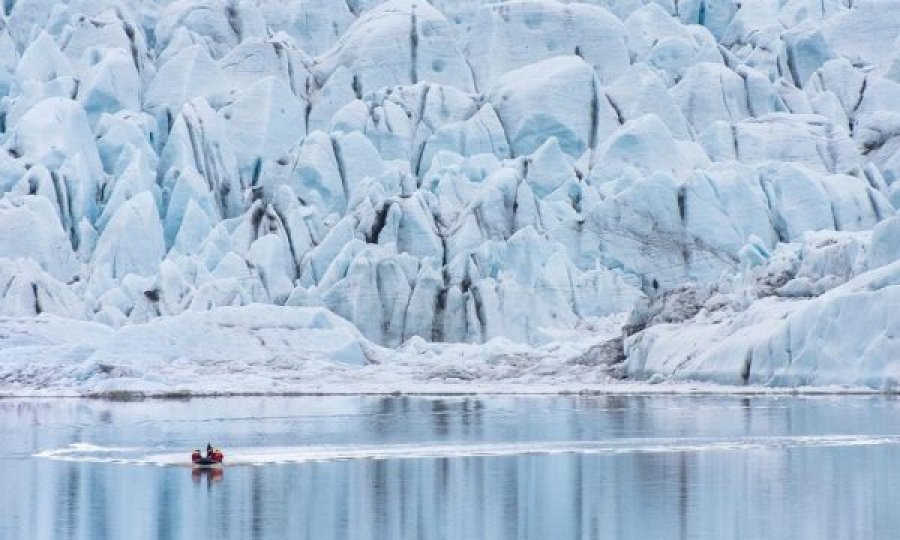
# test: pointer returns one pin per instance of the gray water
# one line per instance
(453, 468)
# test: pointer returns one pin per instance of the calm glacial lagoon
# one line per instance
(642, 467)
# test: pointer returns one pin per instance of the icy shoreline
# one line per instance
(626, 388)
(276, 351)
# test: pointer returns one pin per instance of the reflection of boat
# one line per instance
(212, 474)
(213, 457)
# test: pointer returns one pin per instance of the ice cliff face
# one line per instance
(455, 170)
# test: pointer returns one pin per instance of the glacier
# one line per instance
(303, 196)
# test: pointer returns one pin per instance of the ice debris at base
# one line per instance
(276, 349)
(454, 171)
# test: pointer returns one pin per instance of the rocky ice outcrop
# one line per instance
(843, 337)
(459, 171)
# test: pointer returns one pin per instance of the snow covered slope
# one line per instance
(460, 171)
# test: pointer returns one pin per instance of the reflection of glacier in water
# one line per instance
(89, 453)
(469, 468)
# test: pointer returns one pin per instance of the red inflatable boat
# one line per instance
(213, 456)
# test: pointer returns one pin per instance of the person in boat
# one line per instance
(213, 455)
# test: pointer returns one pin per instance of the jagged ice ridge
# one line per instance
(392, 174)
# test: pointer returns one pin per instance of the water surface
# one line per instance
(453, 468)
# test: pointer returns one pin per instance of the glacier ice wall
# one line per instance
(453, 170)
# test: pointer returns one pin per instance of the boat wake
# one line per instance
(89, 453)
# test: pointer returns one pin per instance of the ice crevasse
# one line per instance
(459, 171)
